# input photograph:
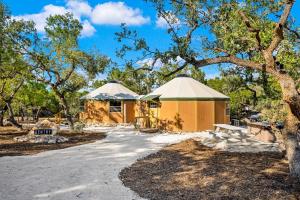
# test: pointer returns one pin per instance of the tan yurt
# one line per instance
(110, 103)
(184, 104)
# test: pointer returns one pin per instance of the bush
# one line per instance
(78, 127)
(272, 110)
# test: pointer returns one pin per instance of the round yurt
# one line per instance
(184, 104)
(109, 104)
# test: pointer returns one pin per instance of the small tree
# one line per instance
(14, 37)
(137, 80)
(59, 63)
(32, 98)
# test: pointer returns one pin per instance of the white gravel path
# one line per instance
(88, 172)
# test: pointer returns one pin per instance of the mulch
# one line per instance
(189, 170)
(9, 147)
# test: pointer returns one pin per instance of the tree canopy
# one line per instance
(256, 35)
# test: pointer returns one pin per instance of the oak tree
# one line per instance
(259, 35)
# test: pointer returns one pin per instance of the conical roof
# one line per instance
(183, 87)
(112, 90)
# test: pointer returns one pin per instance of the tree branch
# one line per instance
(296, 33)
(16, 89)
(177, 70)
(147, 68)
(224, 59)
(62, 81)
(278, 31)
(251, 29)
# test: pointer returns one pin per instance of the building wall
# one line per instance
(98, 112)
(95, 112)
(115, 117)
(220, 112)
(187, 115)
(205, 115)
(190, 115)
(129, 111)
(168, 112)
(193, 115)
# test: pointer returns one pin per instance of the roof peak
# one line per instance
(183, 75)
(185, 87)
(113, 81)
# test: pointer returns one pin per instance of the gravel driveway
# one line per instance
(86, 172)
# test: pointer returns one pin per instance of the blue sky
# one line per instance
(101, 20)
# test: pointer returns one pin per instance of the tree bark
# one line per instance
(292, 145)
(37, 114)
(67, 112)
(292, 124)
(22, 114)
(65, 107)
(1, 120)
(11, 116)
(2, 112)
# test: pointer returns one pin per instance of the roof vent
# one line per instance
(113, 81)
(182, 75)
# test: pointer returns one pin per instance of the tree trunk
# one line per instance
(67, 113)
(292, 124)
(2, 119)
(11, 116)
(265, 82)
(66, 108)
(37, 114)
(2, 112)
(292, 145)
(254, 95)
(22, 114)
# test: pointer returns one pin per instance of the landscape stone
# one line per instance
(52, 138)
(265, 136)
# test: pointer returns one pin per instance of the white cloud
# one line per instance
(77, 8)
(178, 61)
(115, 13)
(40, 18)
(109, 13)
(210, 75)
(87, 29)
(148, 62)
(161, 21)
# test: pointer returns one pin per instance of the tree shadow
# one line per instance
(27, 148)
(189, 170)
(171, 125)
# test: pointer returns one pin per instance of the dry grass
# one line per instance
(189, 170)
(9, 147)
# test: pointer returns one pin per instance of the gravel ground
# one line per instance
(88, 171)
(189, 170)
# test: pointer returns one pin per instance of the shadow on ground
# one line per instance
(9, 147)
(189, 170)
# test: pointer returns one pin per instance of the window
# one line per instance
(115, 106)
(81, 106)
(227, 109)
(153, 104)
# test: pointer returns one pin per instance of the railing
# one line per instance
(236, 122)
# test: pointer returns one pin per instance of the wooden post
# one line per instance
(124, 113)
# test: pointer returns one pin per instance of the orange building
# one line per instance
(184, 104)
(111, 103)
